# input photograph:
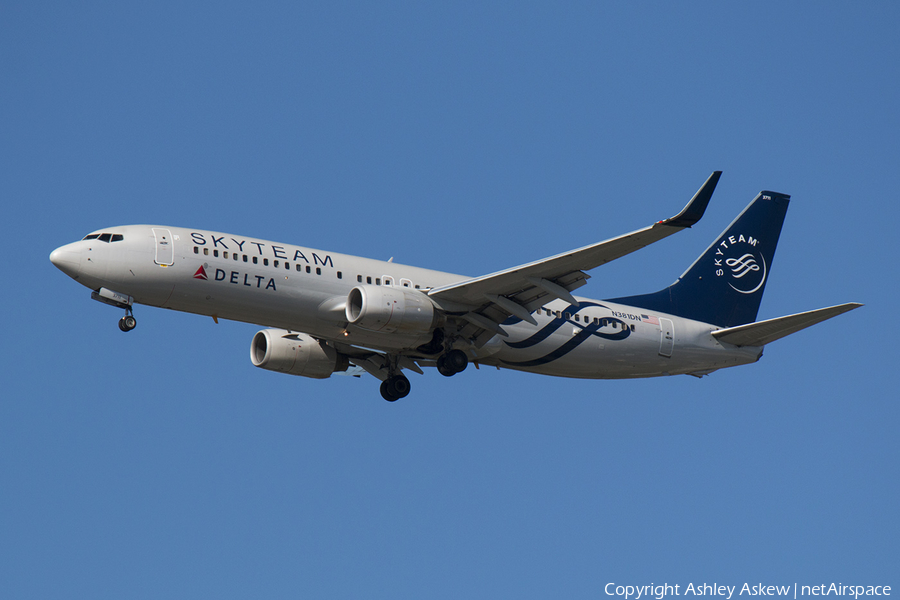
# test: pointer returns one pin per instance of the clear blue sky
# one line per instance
(467, 137)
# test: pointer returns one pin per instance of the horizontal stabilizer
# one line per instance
(763, 332)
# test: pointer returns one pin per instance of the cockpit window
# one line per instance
(105, 237)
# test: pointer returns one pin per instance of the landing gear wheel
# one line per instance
(457, 360)
(387, 393)
(394, 388)
(400, 385)
(443, 369)
(127, 323)
(452, 363)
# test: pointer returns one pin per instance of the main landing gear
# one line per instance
(452, 362)
(395, 387)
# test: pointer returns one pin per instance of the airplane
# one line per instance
(328, 313)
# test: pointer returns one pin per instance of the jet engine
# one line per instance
(388, 309)
(295, 354)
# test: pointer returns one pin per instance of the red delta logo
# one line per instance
(235, 278)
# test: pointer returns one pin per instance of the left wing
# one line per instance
(485, 302)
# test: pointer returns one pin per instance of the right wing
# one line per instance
(485, 302)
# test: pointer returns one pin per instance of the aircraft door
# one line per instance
(666, 337)
(165, 247)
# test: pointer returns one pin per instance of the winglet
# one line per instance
(697, 206)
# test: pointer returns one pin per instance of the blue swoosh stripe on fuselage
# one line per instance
(577, 340)
(547, 330)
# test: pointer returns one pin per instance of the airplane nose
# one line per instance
(67, 259)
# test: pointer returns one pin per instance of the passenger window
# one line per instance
(274, 263)
(245, 258)
(308, 269)
(359, 278)
(225, 254)
(234, 256)
(632, 327)
(255, 260)
(206, 252)
(577, 319)
(196, 250)
(299, 268)
(265, 262)
(368, 280)
(378, 281)
(567, 315)
(287, 266)
(340, 275)
(318, 270)
(216, 253)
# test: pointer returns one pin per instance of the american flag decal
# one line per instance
(649, 319)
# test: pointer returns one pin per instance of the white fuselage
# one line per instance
(303, 290)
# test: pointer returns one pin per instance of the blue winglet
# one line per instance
(697, 206)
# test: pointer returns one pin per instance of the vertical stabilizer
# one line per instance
(726, 284)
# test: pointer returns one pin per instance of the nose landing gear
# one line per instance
(128, 322)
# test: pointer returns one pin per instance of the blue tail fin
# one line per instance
(725, 285)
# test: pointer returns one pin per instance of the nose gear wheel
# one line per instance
(128, 322)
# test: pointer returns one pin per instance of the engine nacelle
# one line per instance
(295, 354)
(388, 309)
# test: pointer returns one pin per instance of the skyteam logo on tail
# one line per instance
(738, 259)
